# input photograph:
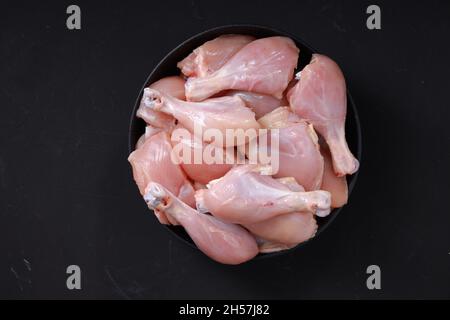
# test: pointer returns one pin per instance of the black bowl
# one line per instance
(168, 67)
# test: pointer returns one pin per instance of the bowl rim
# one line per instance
(350, 101)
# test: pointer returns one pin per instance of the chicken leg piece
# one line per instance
(265, 66)
(173, 86)
(245, 196)
(224, 242)
(152, 162)
(287, 229)
(320, 98)
(299, 154)
(212, 55)
(218, 113)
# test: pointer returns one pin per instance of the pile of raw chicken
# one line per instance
(234, 212)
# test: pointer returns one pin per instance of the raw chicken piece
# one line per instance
(244, 195)
(279, 118)
(152, 163)
(173, 86)
(289, 228)
(337, 186)
(260, 104)
(286, 229)
(266, 246)
(198, 168)
(320, 98)
(284, 101)
(299, 154)
(212, 55)
(265, 66)
(217, 113)
(156, 118)
(224, 242)
(140, 141)
(291, 183)
(149, 131)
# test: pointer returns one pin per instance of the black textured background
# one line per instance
(66, 192)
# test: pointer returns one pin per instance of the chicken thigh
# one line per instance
(212, 55)
(320, 98)
(264, 66)
(224, 242)
(245, 196)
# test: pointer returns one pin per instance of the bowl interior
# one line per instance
(167, 67)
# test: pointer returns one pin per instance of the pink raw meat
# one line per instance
(201, 172)
(217, 113)
(152, 163)
(260, 104)
(224, 242)
(264, 66)
(298, 153)
(286, 229)
(212, 55)
(173, 86)
(320, 98)
(246, 195)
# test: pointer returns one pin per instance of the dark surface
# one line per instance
(167, 67)
(66, 192)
